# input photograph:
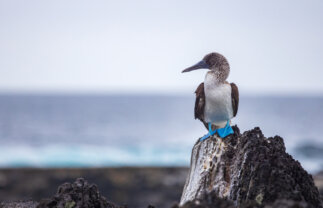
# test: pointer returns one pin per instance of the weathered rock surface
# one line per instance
(248, 168)
(211, 200)
(79, 194)
(19, 204)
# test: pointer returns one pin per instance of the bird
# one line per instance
(217, 100)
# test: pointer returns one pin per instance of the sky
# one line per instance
(142, 46)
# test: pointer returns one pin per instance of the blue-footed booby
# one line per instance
(217, 100)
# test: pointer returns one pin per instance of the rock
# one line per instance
(19, 204)
(75, 195)
(248, 168)
(209, 200)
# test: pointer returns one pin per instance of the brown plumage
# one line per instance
(200, 104)
(235, 98)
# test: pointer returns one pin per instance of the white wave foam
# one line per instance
(90, 156)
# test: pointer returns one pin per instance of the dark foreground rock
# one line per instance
(77, 194)
(19, 204)
(248, 169)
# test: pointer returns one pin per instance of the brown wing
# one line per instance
(200, 104)
(234, 98)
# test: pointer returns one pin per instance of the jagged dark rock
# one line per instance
(79, 194)
(248, 168)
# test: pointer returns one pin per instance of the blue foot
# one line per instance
(223, 132)
(226, 131)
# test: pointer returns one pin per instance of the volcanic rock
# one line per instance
(248, 168)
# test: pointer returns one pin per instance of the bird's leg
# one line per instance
(211, 132)
(210, 129)
(208, 134)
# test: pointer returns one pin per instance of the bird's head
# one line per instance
(212, 61)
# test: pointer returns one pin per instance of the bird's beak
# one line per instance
(200, 65)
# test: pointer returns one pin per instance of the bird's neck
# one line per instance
(214, 78)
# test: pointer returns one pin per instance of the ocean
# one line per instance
(141, 130)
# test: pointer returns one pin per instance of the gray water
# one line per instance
(139, 130)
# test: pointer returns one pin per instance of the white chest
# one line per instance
(218, 105)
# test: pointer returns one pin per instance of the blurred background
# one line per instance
(99, 84)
